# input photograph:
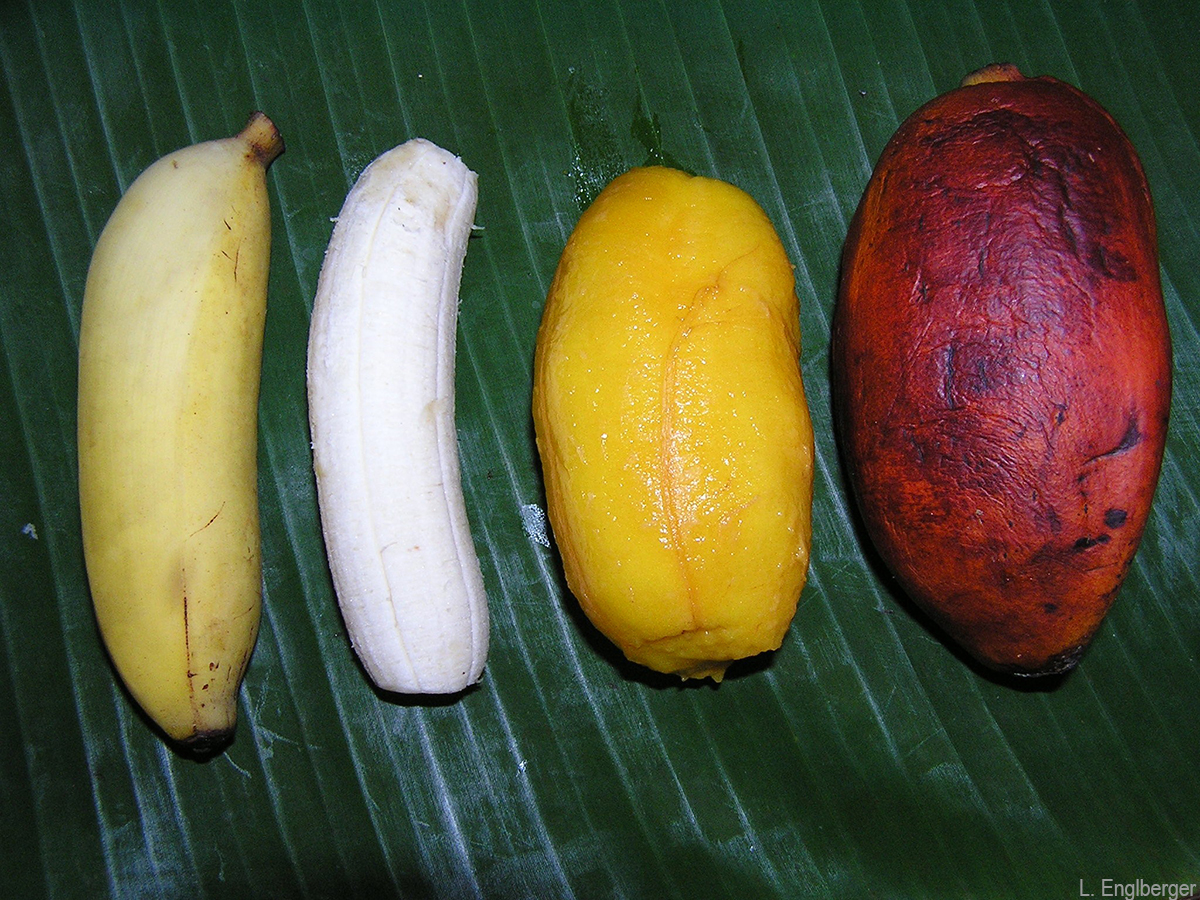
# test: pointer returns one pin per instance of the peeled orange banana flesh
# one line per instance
(672, 426)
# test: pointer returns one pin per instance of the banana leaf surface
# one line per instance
(865, 758)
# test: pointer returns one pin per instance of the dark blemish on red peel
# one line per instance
(1086, 543)
(1112, 264)
(1115, 518)
(1130, 439)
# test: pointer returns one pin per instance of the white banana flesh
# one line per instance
(170, 352)
(381, 363)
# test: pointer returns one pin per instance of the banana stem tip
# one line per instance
(204, 745)
(264, 142)
(993, 72)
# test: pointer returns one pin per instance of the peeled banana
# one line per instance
(170, 348)
(381, 358)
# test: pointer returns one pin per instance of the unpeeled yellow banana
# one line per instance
(170, 349)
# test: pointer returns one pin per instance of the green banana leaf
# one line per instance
(865, 758)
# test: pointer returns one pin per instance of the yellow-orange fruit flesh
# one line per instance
(672, 425)
(1002, 365)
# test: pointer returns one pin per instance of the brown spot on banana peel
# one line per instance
(1003, 412)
